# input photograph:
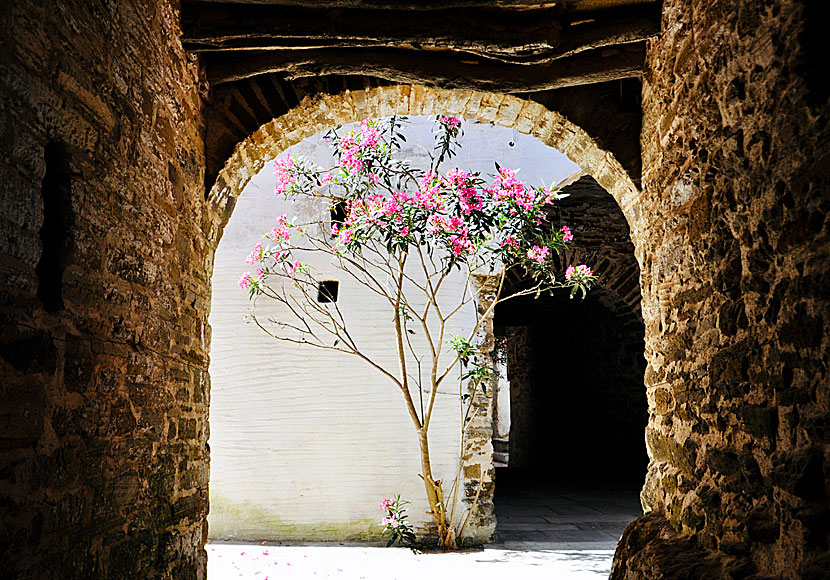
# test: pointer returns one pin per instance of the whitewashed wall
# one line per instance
(305, 442)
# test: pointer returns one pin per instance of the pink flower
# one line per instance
(461, 244)
(550, 196)
(255, 255)
(511, 241)
(279, 234)
(350, 162)
(283, 170)
(579, 272)
(369, 135)
(439, 223)
(567, 236)
(451, 123)
(540, 254)
(246, 280)
(390, 207)
(294, 267)
(326, 179)
(345, 236)
(384, 505)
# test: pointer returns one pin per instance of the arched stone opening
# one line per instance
(577, 406)
(316, 114)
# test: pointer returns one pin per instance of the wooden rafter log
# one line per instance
(604, 31)
(447, 69)
(496, 31)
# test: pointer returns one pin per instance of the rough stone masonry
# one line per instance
(103, 354)
(735, 282)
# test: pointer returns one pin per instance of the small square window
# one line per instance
(338, 214)
(327, 291)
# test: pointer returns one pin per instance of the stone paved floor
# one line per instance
(564, 519)
(543, 534)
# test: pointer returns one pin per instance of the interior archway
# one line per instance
(315, 114)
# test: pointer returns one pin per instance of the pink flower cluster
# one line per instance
(507, 187)
(438, 223)
(578, 272)
(279, 234)
(567, 236)
(248, 279)
(375, 211)
(539, 254)
(451, 123)
(353, 145)
(457, 232)
(392, 522)
(255, 255)
(345, 236)
(462, 182)
(284, 171)
(461, 243)
(511, 241)
(369, 134)
(429, 195)
(385, 504)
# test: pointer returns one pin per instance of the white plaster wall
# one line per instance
(305, 442)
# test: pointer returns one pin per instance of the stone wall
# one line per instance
(104, 294)
(736, 280)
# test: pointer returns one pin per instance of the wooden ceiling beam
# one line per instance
(234, 27)
(542, 38)
(447, 69)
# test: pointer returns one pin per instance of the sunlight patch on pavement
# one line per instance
(266, 562)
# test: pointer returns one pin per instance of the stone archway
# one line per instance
(316, 114)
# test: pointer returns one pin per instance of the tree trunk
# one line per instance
(435, 497)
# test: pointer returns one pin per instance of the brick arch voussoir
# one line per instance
(320, 112)
(619, 287)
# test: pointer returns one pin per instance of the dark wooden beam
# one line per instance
(486, 33)
(447, 69)
(496, 31)
(605, 31)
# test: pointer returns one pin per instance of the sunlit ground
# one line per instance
(342, 562)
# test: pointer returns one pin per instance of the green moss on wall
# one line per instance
(233, 520)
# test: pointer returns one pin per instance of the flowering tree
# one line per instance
(400, 231)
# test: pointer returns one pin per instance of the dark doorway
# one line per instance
(575, 458)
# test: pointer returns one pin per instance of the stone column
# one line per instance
(477, 452)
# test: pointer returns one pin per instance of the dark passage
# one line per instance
(578, 405)
(577, 454)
